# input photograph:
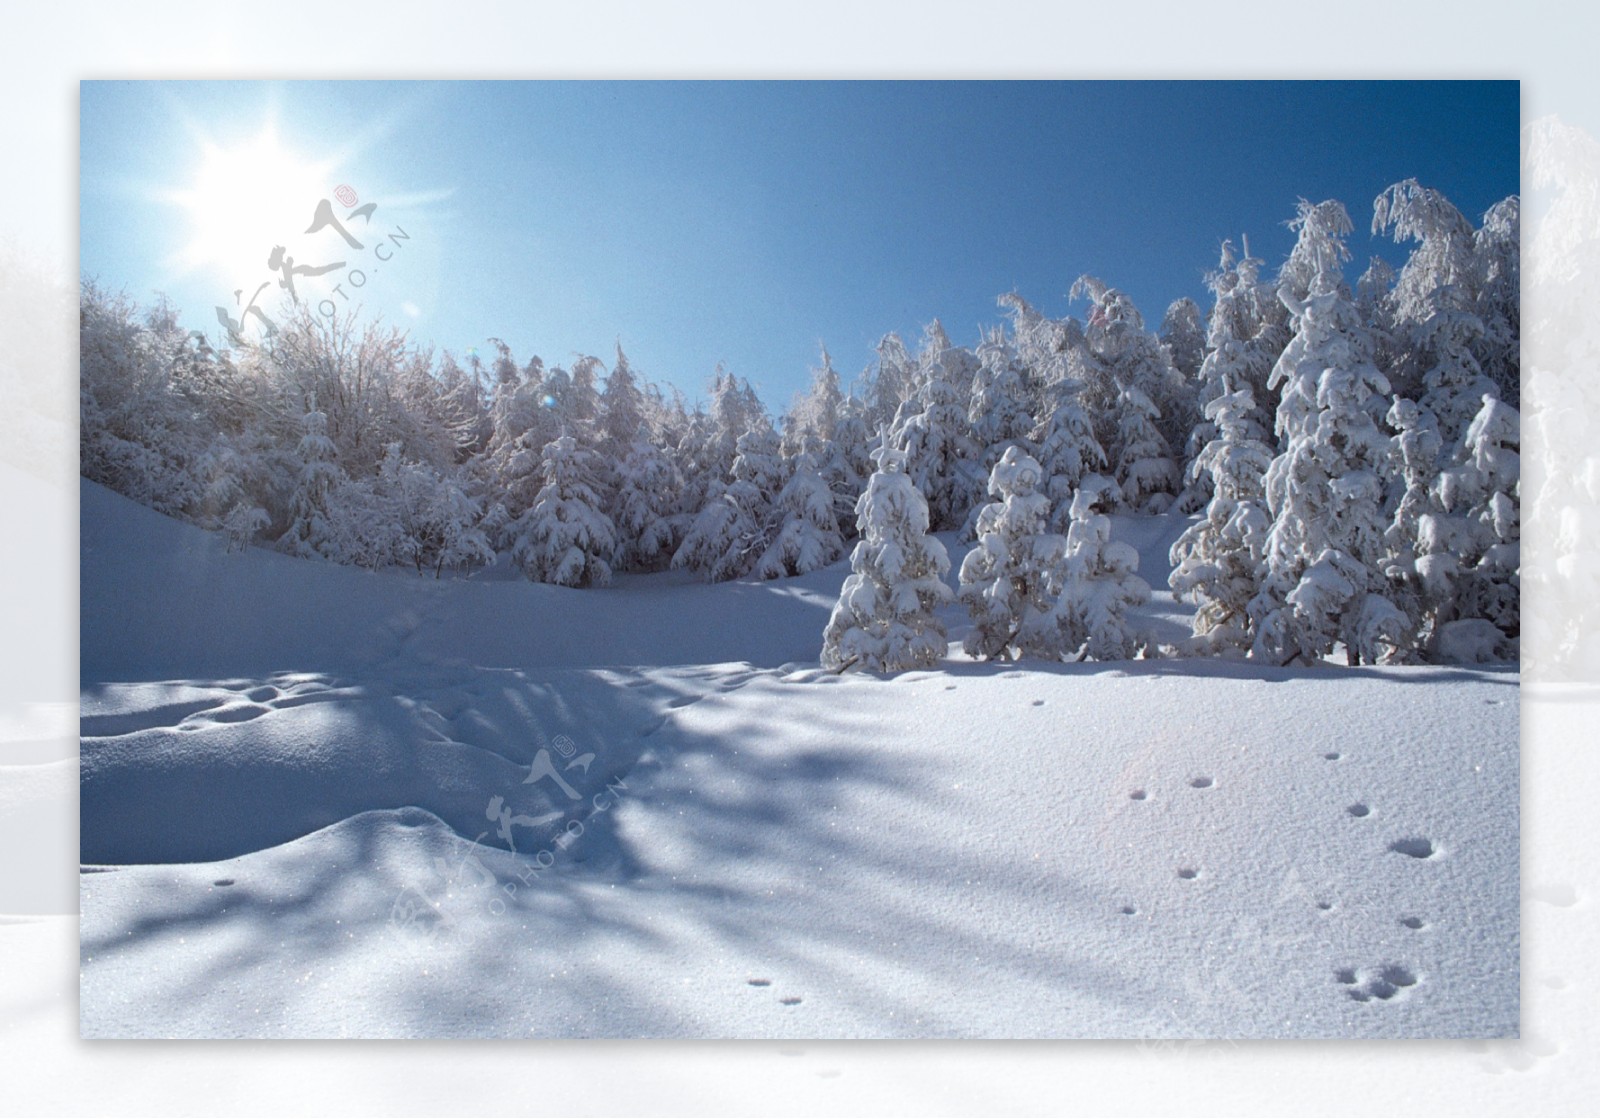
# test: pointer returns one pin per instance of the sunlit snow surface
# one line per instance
(297, 783)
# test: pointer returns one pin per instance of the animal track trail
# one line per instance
(132, 722)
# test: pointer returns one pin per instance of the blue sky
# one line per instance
(744, 222)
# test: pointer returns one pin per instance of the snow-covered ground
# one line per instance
(298, 780)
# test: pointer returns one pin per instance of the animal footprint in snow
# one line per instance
(1188, 872)
(790, 1000)
(1416, 847)
(759, 982)
(1382, 983)
(1201, 783)
(1359, 811)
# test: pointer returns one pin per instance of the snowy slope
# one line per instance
(285, 767)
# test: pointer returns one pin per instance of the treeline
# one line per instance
(1331, 436)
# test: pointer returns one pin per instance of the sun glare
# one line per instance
(245, 200)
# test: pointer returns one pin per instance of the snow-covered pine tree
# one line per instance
(1414, 453)
(932, 429)
(823, 424)
(1010, 581)
(1217, 562)
(816, 412)
(621, 410)
(998, 406)
(1438, 275)
(1067, 451)
(1147, 474)
(940, 359)
(644, 510)
(884, 620)
(448, 529)
(849, 464)
(1126, 369)
(807, 535)
(1469, 547)
(1454, 384)
(892, 382)
(1099, 581)
(732, 531)
(311, 531)
(565, 538)
(1241, 346)
(1497, 275)
(1183, 336)
(1325, 581)
(1042, 345)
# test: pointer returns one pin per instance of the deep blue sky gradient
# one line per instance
(747, 222)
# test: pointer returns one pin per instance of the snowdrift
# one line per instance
(318, 802)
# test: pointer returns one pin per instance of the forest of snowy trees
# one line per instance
(1348, 456)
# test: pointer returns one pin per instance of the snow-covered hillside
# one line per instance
(321, 802)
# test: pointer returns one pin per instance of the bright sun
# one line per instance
(244, 201)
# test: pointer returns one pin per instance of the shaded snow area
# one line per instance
(320, 802)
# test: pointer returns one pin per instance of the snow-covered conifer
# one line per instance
(1067, 451)
(1497, 275)
(1325, 578)
(1010, 581)
(884, 620)
(998, 407)
(1183, 336)
(1454, 383)
(311, 529)
(565, 538)
(1146, 472)
(1099, 581)
(644, 508)
(807, 534)
(940, 454)
(242, 523)
(732, 531)
(1469, 547)
(1217, 562)
(1241, 345)
(1126, 369)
